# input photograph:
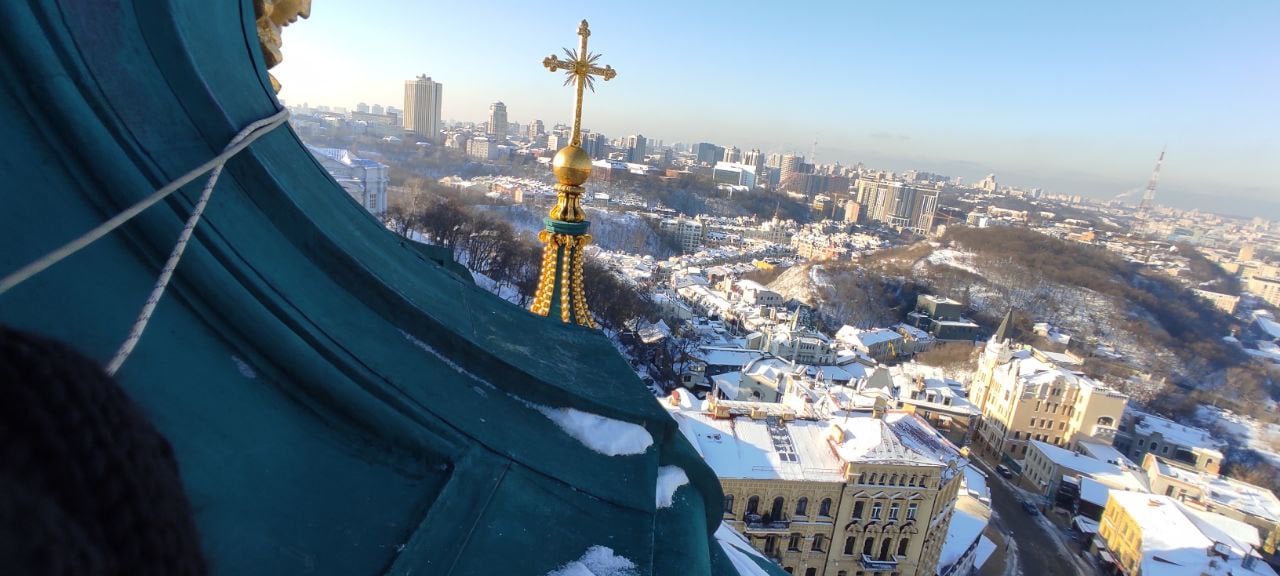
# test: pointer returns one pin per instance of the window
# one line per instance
(794, 543)
(848, 546)
(753, 505)
(893, 479)
(802, 506)
(824, 509)
(911, 510)
(775, 513)
(1153, 446)
(1106, 421)
(811, 572)
(1164, 449)
(913, 480)
(893, 511)
(817, 543)
(728, 503)
(902, 546)
(771, 545)
(875, 511)
(868, 545)
(872, 478)
(789, 570)
(884, 549)
(857, 510)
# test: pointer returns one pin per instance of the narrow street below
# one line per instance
(1037, 552)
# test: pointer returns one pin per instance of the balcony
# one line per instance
(869, 563)
(756, 523)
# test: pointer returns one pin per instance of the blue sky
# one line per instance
(1076, 97)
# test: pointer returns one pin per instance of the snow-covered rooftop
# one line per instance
(898, 438)
(744, 448)
(723, 356)
(1178, 542)
(1109, 474)
(812, 450)
(1093, 491)
(1145, 424)
(1224, 491)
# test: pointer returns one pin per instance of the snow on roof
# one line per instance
(728, 384)
(1086, 525)
(1093, 491)
(1271, 327)
(966, 527)
(739, 551)
(866, 338)
(597, 561)
(1105, 453)
(723, 356)
(670, 479)
(1175, 543)
(975, 483)
(1224, 491)
(912, 331)
(744, 448)
(898, 438)
(985, 549)
(1145, 424)
(932, 388)
(1109, 474)
(604, 435)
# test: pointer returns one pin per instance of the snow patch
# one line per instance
(604, 435)
(245, 369)
(670, 478)
(597, 561)
(739, 552)
(441, 357)
(953, 258)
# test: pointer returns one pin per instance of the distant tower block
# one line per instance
(1246, 252)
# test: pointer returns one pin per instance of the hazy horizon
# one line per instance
(1073, 99)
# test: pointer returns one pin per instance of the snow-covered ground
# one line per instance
(1261, 437)
(958, 259)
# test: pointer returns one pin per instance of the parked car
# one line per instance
(1004, 471)
(1030, 507)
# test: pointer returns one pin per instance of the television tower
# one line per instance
(1150, 195)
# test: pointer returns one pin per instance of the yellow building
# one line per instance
(1235, 499)
(1031, 395)
(1265, 287)
(858, 495)
(1152, 535)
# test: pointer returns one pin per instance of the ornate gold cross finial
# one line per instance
(560, 284)
(580, 69)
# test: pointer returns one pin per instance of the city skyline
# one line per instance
(1082, 106)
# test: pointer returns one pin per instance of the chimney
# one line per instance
(880, 408)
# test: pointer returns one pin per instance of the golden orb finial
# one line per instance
(572, 166)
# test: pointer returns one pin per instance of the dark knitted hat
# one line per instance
(87, 485)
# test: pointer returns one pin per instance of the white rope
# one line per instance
(241, 140)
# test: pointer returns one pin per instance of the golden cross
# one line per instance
(580, 69)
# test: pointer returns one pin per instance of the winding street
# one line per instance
(1038, 552)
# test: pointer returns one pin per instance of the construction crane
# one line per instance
(1149, 196)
